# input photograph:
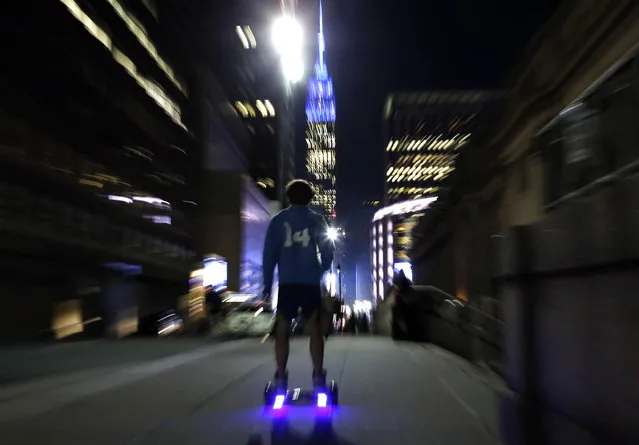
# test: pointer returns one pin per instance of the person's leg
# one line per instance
(282, 332)
(326, 316)
(287, 304)
(312, 310)
(316, 343)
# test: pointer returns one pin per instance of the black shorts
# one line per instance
(290, 297)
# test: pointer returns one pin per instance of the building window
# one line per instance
(594, 137)
(141, 34)
(88, 23)
(152, 89)
(246, 36)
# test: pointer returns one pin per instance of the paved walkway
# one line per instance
(390, 394)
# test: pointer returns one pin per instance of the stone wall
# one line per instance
(568, 292)
(565, 264)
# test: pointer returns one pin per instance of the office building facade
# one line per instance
(260, 100)
(96, 161)
(391, 241)
(239, 92)
(424, 133)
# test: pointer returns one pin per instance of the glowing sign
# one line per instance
(215, 273)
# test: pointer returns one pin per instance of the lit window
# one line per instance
(89, 24)
(242, 36)
(250, 36)
(159, 219)
(260, 106)
(152, 89)
(250, 109)
(123, 60)
(140, 33)
(242, 109)
(269, 107)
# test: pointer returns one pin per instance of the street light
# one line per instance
(332, 234)
(293, 68)
(287, 39)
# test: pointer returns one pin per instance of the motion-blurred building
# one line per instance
(240, 129)
(391, 241)
(125, 158)
(236, 49)
(320, 131)
(424, 132)
(96, 158)
(249, 70)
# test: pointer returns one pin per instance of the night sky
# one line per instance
(375, 47)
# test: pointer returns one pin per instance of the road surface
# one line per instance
(21, 363)
(212, 394)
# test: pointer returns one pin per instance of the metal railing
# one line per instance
(596, 185)
(471, 332)
(458, 301)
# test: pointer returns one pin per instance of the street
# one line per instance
(24, 363)
(212, 394)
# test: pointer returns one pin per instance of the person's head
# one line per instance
(299, 192)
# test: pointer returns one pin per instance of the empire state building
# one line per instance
(320, 131)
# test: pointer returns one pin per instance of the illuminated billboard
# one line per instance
(215, 273)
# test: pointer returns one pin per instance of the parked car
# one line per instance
(248, 320)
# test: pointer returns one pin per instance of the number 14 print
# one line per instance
(301, 236)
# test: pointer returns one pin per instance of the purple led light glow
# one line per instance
(279, 402)
(322, 400)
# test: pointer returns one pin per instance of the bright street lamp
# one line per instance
(287, 36)
(293, 68)
(287, 39)
(332, 233)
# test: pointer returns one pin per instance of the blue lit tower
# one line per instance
(320, 132)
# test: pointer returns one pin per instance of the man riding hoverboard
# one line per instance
(296, 242)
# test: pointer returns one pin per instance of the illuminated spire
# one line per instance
(320, 104)
(321, 71)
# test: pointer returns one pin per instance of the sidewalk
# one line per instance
(476, 388)
(390, 393)
(33, 361)
(39, 395)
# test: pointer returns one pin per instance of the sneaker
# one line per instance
(281, 382)
(319, 380)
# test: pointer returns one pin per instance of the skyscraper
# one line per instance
(424, 133)
(97, 168)
(320, 132)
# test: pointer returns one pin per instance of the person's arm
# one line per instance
(326, 246)
(271, 253)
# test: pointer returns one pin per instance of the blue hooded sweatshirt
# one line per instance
(297, 243)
